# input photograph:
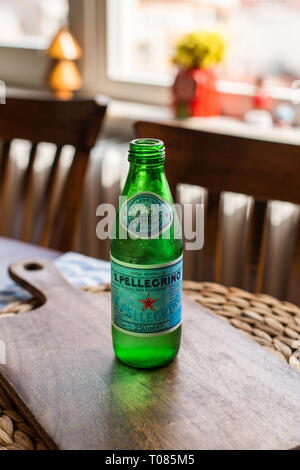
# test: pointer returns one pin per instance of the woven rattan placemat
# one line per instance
(275, 325)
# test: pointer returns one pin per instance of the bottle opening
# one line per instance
(151, 151)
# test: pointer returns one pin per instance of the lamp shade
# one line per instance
(64, 46)
(65, 76)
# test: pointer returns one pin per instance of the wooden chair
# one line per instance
(264, 170)
(43, 118)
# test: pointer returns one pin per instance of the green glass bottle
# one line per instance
(146, 263)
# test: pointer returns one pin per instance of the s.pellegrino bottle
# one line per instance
(146, 263)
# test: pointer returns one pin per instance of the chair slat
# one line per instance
(68, 212)
(212, 249)
(253, 249)
(27, 195)
(263, 250)
(4, 183)
(49, 197)
(192, 270)
(293, 293)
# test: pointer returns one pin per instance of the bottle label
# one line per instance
(145, 215)
(146, 300)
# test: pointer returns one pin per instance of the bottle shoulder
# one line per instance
(146, 252)
(146, 191)
(145, 180)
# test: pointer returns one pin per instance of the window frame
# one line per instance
(94, 30)
(27, 66)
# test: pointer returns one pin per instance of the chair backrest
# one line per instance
(43, 118)
(264, 170)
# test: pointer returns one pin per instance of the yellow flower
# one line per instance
(200, 49)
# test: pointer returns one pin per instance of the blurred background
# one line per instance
(263, 33)
(137, 38)
(244, 81)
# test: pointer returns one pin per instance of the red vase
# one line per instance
(195, 93)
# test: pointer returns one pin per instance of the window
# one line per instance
(263, 37)
(142, 34)
(128, 44)
(26, 29)
(31, 23)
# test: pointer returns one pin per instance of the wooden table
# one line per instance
(223, 391)
(13, 250)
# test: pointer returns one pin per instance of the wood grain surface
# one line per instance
(222, 392)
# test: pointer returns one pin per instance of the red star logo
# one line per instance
(148, 303)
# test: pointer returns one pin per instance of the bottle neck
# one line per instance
(141, 167)
(147, 153)
(146, 171)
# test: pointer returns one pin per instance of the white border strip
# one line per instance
(145, 266)
(146, 335)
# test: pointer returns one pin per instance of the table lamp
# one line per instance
(65, 78)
